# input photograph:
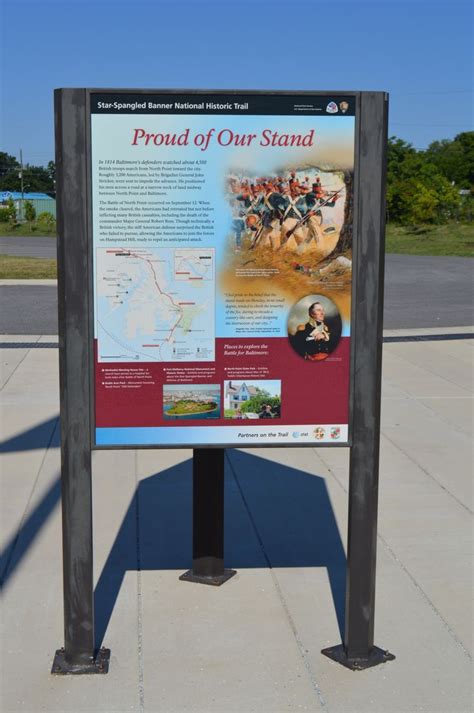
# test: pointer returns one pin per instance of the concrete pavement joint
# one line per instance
(429, 338)
(424, 595)
(426, 472)
(19, 363)
(425, 397)
(27, 506)
(419, 400)
(430, 371)
(141, 687)
(399, 562)
(280, 595)
(427, 331)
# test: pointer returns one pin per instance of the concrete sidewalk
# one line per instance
(253, 644)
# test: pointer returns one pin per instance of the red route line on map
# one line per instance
(165, 294)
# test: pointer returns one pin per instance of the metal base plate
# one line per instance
(100, 664)
(214, 581)
(376, 656)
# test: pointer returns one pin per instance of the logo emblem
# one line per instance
(332, 108)
(319, 433)
(335, 433)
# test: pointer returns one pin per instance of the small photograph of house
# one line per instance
(252, 399)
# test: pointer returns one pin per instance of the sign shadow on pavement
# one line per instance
(43, 435)
(290, 513)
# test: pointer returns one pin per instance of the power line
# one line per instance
(452, 126)
(436, 91)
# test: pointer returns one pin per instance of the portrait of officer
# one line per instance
(316, 338)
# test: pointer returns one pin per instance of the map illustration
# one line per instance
(155, 304)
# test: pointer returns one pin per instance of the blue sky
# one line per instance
(417, 50)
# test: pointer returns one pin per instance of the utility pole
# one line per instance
(22, 186)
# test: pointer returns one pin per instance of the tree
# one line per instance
(397, 151)
(51, 169)
(454, 159)
(35, 178)
(345, 238)
(256, 402)
(425, 197)
(30, 212)
(8, 163)
(11, 210)
(10, 181)
(417, 190)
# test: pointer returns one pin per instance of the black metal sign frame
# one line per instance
(75, 291)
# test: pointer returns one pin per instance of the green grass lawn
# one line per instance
(27, 229)
(26, 268)
(451, 239)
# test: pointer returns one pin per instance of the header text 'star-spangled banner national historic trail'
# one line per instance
(222, 254)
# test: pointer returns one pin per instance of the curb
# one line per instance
(29, 283)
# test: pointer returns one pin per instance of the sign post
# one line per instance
(358, 650)
(78, 654)
(220, 280)
(208, 519)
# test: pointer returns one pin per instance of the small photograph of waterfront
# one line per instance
(190, 402)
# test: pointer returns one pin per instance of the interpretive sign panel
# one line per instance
(220, 283)
(222, 267)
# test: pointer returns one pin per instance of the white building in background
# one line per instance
(237, 394)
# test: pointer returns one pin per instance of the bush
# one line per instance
(46, 220)
(256, 403)
(11, 210)
(4, 215)
(30, 211)
(418, 193)
(466, 210)
(423, 186)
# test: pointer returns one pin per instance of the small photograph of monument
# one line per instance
(191, 401)
(252, 399)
